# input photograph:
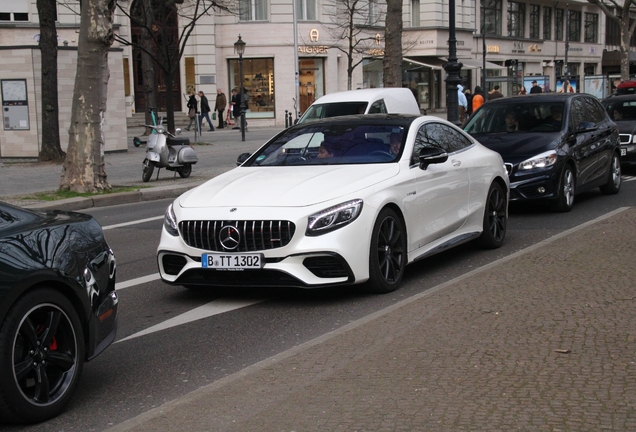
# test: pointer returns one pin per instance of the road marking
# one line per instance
(629, 178)
(135, 222)
(207, 310)
(137, 281)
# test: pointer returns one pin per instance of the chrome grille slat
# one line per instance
(256, 235)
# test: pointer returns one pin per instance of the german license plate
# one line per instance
(623, 152)
(232, 261)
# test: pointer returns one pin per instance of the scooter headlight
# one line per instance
(170, 222)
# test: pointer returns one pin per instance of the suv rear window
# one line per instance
(334, 109)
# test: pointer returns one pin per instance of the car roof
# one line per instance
(363, 94)
(618, 98)
(539, 97)
(626, 84)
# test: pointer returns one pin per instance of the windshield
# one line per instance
(517, 118)
(333, 109)
(332, 145)
(622, 110)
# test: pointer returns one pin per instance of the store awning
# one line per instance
(431, 62)
(478, 64)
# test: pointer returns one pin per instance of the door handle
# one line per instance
(456, 163)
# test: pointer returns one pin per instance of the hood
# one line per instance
(285, 186)
(460, 87)
(516, 147)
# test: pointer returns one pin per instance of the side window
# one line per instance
(454, 139)
(577, 113)
(430, 135)
(595, 110)
(378, 107)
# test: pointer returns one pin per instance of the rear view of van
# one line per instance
(391, 100)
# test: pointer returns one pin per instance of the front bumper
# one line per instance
(540, 187)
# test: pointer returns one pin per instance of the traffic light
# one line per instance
(511, 62)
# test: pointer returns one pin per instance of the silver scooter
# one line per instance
(165, 150)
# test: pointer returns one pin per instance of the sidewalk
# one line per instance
(542, 340)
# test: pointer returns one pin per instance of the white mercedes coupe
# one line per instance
(339, 201)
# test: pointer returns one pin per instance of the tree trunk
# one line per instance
(625, 42)
(147, 18)
(51, 149)
(392, 62)
(83, 169)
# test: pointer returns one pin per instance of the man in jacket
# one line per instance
(462, 102)
(219, 106)
(205, 112)
(237, 112)
(495, 94)
(536, 88)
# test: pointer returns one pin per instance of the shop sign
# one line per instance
(492, 49)
(318, 49)
(534, 48)
(376, 52)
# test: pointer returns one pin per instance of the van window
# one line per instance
(335, 109)
(378, 107)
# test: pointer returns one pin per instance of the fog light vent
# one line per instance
(172, 264)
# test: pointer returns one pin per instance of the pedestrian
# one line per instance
(462, 102)
(205, 112)
(469, 100)
(219, 106)
(236, 108)
(523, 91)
(536, 88)
(478, 98)
(192, 109)
(495, 93)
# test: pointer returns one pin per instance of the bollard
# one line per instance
(286, 122)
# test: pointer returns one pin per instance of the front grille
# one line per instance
(327, 266)
(625, 138)
(254, 235)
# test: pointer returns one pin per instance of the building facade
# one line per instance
(284, 74)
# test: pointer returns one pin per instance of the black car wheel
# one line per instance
(148, 168)
(387, 257)
(41, 357)
(495, 218)
(185, 171)
(565, 196)
(613, 184)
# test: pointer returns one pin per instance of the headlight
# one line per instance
(543, 160)
(170, 222)
(333, 218)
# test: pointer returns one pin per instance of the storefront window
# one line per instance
(311, 81)
(258, 83)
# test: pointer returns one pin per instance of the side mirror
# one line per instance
(178, 131)
(586, 126)
(431, 155)
(242, 158)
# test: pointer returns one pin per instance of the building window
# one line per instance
(589, 68)
(306, 10)
(558, 24)
(574, 21)
(516, 19)
(491, 17)
(14, 10)
(258, 74)
(591, 27)
(535, 12)
(415, 13)
(373, 12)
(547, 23)
(252, 10)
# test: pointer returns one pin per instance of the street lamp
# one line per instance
(453, 67)
(239, 48)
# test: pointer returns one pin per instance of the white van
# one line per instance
(392, 100)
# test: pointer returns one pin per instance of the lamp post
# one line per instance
(453, 67)
(239, 48)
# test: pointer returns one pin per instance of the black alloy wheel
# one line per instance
(185, 170)
(41, 357)
(565, 195)
(148, 168)
(613, 184)
(495, 218)
(388, 255)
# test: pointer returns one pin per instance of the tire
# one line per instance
(185, 171)
(148, 168)
(387, 255)
(41, 357)
(613, 184)
(495, 218)
(565, 196)
(136, 142)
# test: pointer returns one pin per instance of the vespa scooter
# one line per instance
(165, 150)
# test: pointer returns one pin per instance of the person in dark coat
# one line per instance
(219, 106)
(536, 88)
(192, 109)
(205, 111)
(237, 111)
(495, 94)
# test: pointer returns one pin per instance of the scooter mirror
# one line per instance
(178, 131)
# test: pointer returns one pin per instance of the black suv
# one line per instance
(554, 145)
(622, 109)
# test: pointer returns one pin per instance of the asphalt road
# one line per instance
(172, 341)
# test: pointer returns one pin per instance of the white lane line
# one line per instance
(207, 310)
(629, 178)
(137, 281)
(135, 222)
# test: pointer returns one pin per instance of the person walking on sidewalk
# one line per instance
(205, 111)
(192, 110)
(236, 108)
(219, 106)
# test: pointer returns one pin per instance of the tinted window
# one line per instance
(438, 135)
(378, 107)
(530, 117)
(595, 110)
(334, 109)
(577, 113)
